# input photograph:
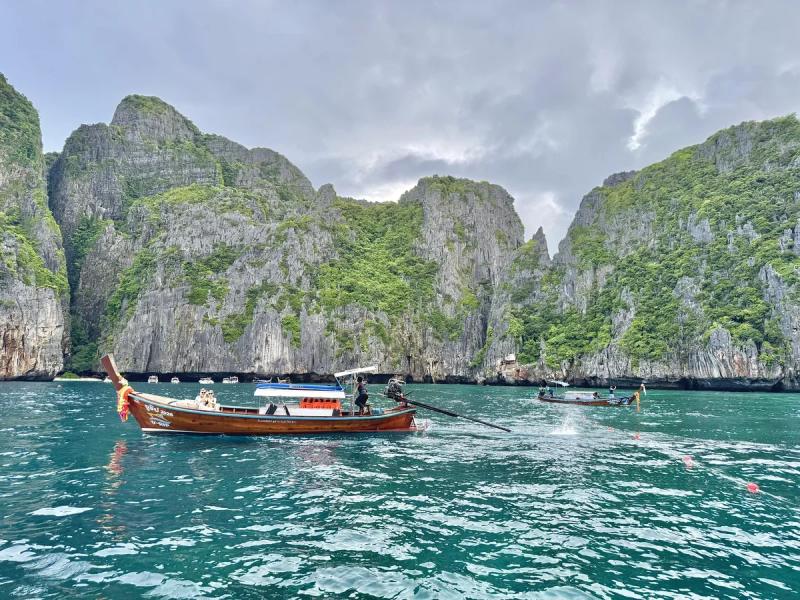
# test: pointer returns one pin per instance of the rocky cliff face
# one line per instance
(33, 284)
(684, 273)
(189, 252)
(469, 230)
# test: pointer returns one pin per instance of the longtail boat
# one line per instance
(315, 409)
(591, 398)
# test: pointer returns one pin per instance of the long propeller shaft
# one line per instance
(450, 413)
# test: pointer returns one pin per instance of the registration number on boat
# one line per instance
(158, 411)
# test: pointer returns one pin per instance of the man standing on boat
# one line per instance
(361, 395)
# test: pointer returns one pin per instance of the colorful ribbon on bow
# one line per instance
(123, 406)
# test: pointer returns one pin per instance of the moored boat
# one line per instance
(152, 379)
(313, 409)
(231, 379)
(206, 381)
(174, 380)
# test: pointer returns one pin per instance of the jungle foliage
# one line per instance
(709, 219)
(377, 266)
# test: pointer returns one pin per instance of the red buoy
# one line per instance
(687, 460)
(636, 436)
(752, 488)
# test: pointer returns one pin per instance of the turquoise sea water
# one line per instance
(569, 505)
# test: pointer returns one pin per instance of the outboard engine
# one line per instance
(394, 389)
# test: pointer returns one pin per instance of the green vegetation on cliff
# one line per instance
(206, 276)
(448, 185)
(291, 325)
(377, 267)
(132, 281)
(83, 239)
(26, 222)
(567, 333)
(217, 198)
(23, 260)
(697, 231)
(147, 104)
(85, 356)
(233, 325)
(20, 136)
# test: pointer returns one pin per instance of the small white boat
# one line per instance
(174, 380)
(152, 379)
(107, 380)
(206, 381)
(233, 379)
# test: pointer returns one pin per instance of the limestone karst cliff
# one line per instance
(189, 252)
(683, 273)
(33, 284)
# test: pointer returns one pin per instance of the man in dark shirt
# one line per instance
(361, 395)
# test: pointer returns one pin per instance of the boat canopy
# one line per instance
(371, 369)
(557, 382)
(299, 390)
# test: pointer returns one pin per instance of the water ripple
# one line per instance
(574, 504)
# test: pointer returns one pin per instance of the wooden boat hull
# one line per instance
(598, 402)
(155, 414)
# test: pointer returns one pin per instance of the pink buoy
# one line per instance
(687, 460)
(752, 488)
(636, 436)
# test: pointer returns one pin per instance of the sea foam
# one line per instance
(59, 511)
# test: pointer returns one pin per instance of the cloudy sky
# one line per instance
(543, 98)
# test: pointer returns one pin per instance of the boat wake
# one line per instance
(567, 427)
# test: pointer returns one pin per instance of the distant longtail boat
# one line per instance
(591, 398)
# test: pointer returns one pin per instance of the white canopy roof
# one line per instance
(371, 369)
(301, 393)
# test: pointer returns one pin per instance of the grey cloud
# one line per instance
(542, 98)
(675, 125)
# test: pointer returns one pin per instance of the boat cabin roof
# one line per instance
(371, 369)
(299, 390)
